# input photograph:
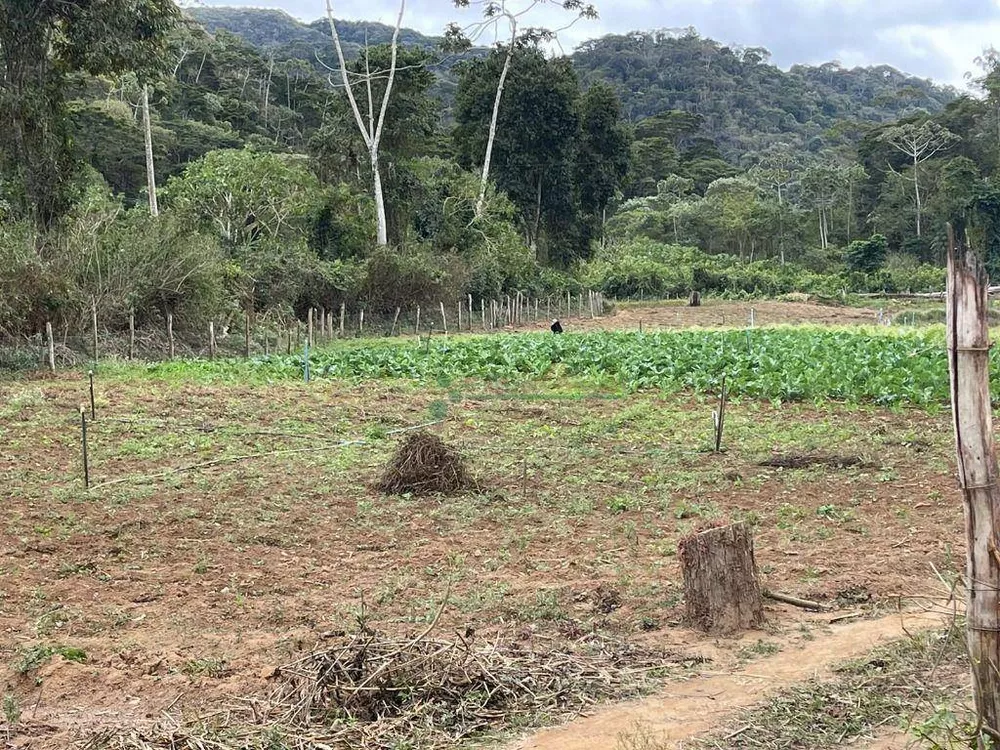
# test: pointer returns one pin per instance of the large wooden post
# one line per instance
(721, 584)
(969, 366)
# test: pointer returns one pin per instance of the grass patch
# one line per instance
(886, 689)
(34, 657)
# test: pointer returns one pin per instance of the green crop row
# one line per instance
(858, 365)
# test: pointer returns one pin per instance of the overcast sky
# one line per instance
(936, 39)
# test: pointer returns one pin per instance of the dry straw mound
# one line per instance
(424, 465)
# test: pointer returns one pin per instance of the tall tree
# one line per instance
(512, 13)
(369, 126)
(821, 186)
(41, 43)
(919, 142)
(410, 128)
(535, 143)
(603, 152)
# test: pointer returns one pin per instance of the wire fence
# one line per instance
(55, 347)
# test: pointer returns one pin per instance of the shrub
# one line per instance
(867, 255)
(404, 278)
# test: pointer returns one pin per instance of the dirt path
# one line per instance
(702, 703)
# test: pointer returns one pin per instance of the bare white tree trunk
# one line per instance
(154, 208)
(484, 181)
(382, 224)
(371, 132)
(916, 190)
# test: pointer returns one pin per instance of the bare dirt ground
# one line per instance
(185, 590)
(720, 314)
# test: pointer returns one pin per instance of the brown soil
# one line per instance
(719, 314)
(185, 592)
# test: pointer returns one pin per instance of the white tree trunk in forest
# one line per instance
(371, 132)
(154, 208)
(916, 190)
(484, 181)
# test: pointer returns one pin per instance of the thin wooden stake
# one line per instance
(309, 324)
(246, 335)
(471, 313)
(395, 319)
(482, 311)
(361, 321)
(444, 320)
(131, 334)
(93, 310)
(343, 312)
(416, 328)
(52, 346)
(170, 333)
(720, 417)
(460, 303)
(212, 348)
(93, 407)
(83, 434)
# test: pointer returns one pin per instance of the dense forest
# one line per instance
(210, 163)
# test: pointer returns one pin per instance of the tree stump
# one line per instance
(694, 300)
(721, 585)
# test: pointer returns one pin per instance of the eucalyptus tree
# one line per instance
(513, 14)
(919, 143)
(370, 127)
(41, 44)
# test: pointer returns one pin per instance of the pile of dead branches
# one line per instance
(422, 465)
(394, 690)
(372, 690)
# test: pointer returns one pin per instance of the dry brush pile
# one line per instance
(423, 465)
(372, 690)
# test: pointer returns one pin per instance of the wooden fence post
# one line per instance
(211, 340)
(93, 310)
(131, 334)
(309, 328)
(460, 304)
(395, 319)
(246, 335)
(416, 328)
(444, 320)
(361, 321)
(51, 345)
(343, 311)
(969, 367)
(170, 334)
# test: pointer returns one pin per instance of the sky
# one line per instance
(937, 39)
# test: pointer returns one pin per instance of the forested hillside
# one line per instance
(744, 102)
(212, 164)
